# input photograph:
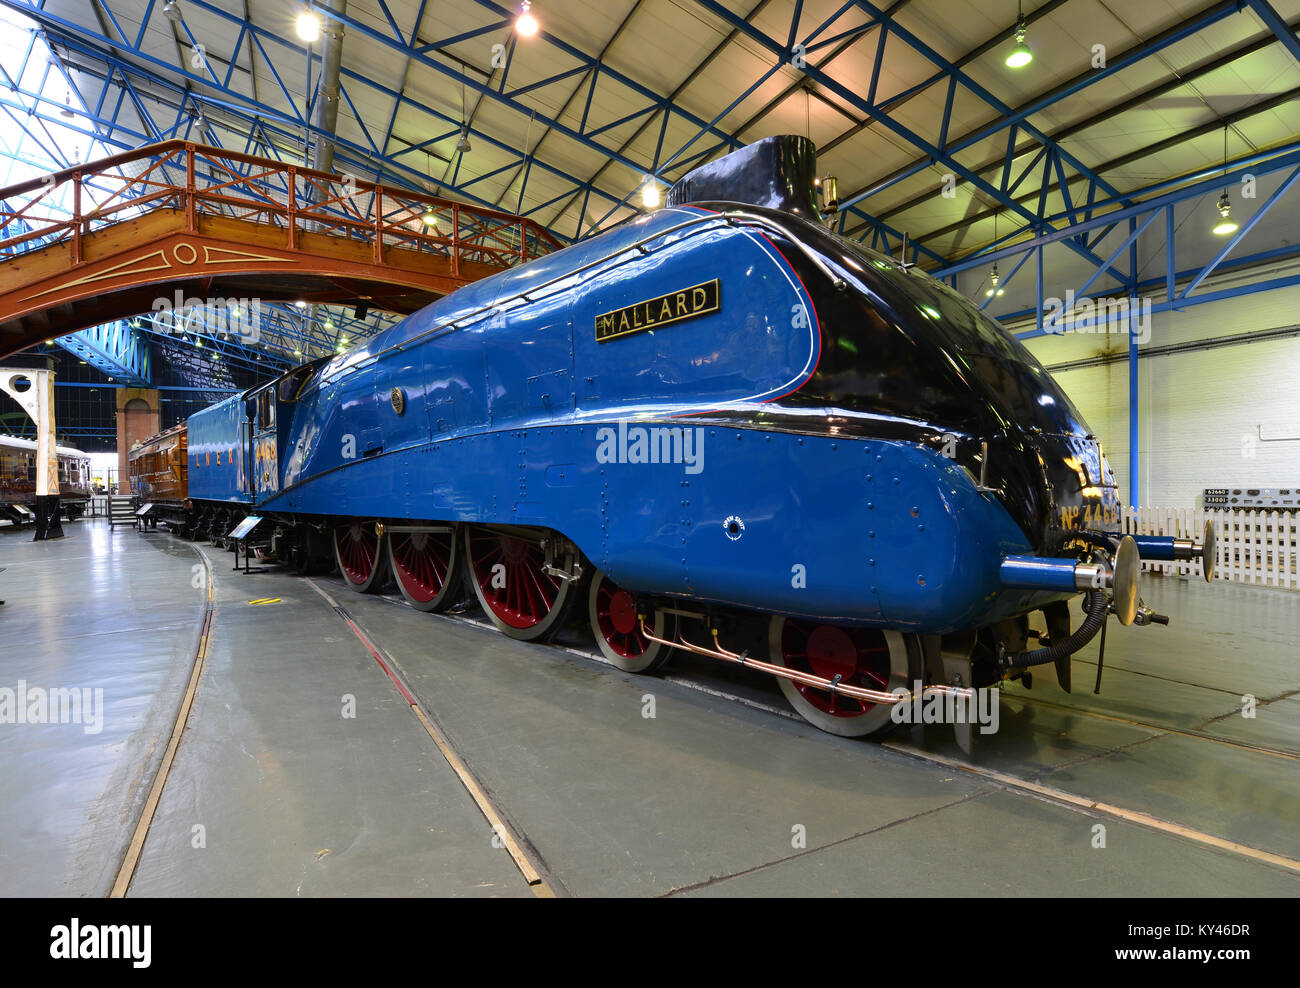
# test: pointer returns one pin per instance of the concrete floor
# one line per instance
(275, 792)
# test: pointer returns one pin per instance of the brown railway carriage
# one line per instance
(157, 471)
(18, 479)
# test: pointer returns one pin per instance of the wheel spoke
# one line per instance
(858, 656)
(528, 597)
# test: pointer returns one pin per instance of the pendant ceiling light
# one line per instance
(1020, 55)
(1226, 225)
(463, 145)
(993, 275)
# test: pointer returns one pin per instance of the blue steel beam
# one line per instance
(250, 38)
(111, 385)
(114, 348)
(1265, 12)
(1241, 233)
(1277, 100)
(656, 103)
(854, 99)
(1009, 117)
(1241, 264)
(97, 45)
(658, 169)
(1018, 116)
(1241, 166)
(1255, 165)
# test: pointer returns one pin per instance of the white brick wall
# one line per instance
(1199, 410)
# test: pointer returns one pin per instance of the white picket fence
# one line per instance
(1258, 547)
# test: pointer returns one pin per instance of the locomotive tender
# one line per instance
(716, 411)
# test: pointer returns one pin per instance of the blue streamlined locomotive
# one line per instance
(717, 410)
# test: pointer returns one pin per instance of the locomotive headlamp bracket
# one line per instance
(1145, 615)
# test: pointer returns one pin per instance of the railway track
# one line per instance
(522, 853)
(761, 683)
(526, 858)
(1262, 749)
(742, 687)
(749, 696)
(126, 871)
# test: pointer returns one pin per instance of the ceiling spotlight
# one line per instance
(1020, 55)
(526, 24)
(463, 144)
(308, 26)
(172, 10)
(1225, 225)
(430, 219)
(297, 352)
(67, 112)
(300, 304)
(650, 193)
(329, 324)
(993, 283)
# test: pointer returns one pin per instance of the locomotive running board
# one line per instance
(832, 686)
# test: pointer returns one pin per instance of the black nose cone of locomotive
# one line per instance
(776, 172)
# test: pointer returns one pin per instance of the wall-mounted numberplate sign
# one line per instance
(1269, 498)
(698, 300)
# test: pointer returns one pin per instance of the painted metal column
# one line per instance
(34, 392)
(1134, 485)
(1134, 393)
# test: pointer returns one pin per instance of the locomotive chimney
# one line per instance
(777, 172)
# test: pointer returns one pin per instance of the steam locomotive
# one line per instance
(715, 412)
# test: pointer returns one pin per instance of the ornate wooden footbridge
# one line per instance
(104, 240)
